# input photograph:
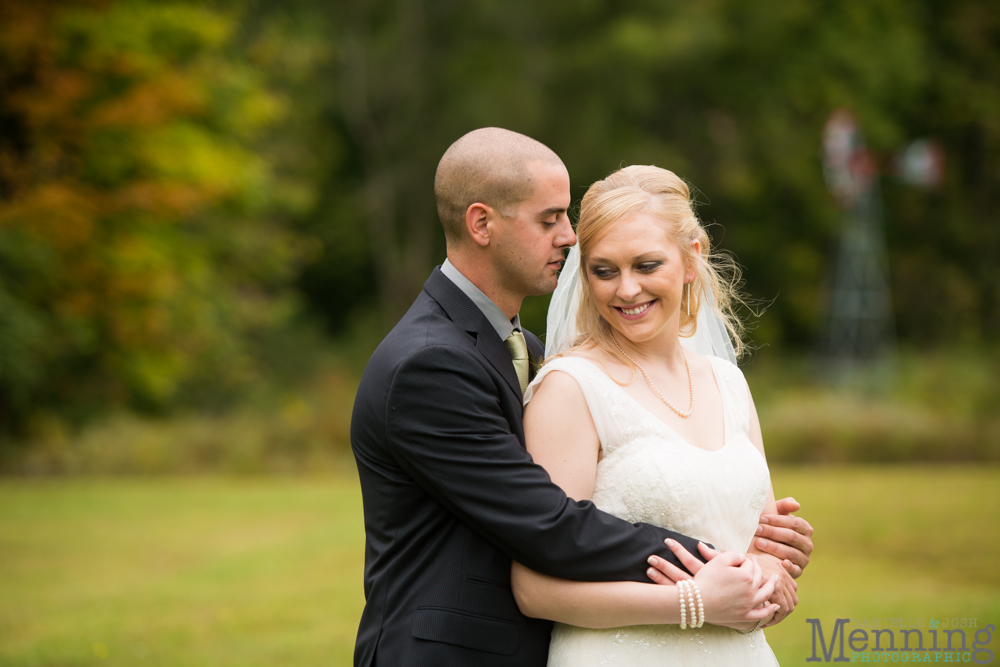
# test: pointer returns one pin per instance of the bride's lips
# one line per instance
(635, 311)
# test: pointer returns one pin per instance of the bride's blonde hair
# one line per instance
(662, 194)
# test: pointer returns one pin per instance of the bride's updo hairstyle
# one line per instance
(663, 195)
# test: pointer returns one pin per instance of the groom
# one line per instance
(450, 494)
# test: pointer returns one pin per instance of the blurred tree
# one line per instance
(138, 255)
(945, 242)
(730, 97)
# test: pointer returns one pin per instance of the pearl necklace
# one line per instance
(652, 386)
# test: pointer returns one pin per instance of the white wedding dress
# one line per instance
(650, 474)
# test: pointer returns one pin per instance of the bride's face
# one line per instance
(637, 273)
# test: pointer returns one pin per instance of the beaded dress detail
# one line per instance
(650, 474)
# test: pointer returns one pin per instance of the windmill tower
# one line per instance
(861, 328)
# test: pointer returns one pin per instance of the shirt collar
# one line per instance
(503, 326)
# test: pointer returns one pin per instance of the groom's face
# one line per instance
(531, 243)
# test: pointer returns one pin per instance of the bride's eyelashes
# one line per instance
(603, 272)
(606, 272)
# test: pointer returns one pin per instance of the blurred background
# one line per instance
(211, 212)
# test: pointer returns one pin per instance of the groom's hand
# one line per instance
(788, 538)
(784, 589)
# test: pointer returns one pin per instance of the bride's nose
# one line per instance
(628, 286)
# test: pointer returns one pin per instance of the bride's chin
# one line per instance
(635, 337)
(639, 335)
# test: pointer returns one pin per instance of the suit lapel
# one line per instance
(467, 315)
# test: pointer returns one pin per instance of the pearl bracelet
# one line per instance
(686, 587)
(692, 612)
(701, 606)
(681, 588)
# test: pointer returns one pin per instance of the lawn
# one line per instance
(212, 572)
(263, 571)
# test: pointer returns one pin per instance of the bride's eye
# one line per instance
(602, 272)
(649, 266)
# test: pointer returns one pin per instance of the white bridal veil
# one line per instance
(711, 338)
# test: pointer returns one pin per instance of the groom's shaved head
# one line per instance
(486, 166)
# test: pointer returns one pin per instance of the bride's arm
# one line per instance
(561, 437)
(787, 538)
(593, 604)
(757, 438)
(732, 587)
(785, 593)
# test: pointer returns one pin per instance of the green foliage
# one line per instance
(728, 95)
(302, 430)
(938, 406)
(139, 250)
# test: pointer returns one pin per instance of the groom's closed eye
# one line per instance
(551, 216)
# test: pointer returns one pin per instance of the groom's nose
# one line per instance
(565, 236)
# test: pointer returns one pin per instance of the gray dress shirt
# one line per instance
(492, 311)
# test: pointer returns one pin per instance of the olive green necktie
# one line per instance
(518, 349)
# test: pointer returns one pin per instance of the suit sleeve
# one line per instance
(446, 429)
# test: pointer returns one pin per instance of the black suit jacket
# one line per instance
(451, 496)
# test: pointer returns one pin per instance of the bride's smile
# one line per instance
(635, 312)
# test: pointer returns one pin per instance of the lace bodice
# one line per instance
(651, 474)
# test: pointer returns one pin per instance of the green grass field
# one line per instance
(221, 571)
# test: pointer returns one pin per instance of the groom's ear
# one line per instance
(477, 218)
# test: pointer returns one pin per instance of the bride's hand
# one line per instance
(734, 583)
(734, 591)
(666, 573)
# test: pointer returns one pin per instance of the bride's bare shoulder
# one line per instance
(704, 369)
(698, 362)
(584, 351)
(559, 382)
(589, 352)
(556, 395)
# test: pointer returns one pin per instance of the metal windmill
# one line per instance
(861, 328)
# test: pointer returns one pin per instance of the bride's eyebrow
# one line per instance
(646, 256)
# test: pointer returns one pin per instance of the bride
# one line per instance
(624, 415)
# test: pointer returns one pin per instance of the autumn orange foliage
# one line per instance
(137, 251)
